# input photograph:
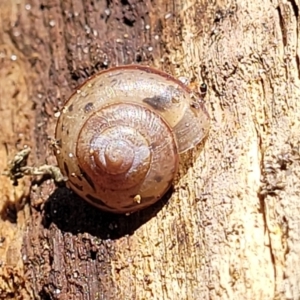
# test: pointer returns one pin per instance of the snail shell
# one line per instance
(120, 135)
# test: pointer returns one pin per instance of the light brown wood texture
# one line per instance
(230, 228)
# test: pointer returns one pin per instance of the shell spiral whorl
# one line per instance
(121, 133)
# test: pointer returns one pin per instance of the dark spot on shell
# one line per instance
(77, 186)
(163, 101)
(68, 132)
(66, 169)
(153, 145)
(157, 102)
(95, 200)
(114, 82)
(88, 179)
(79, 177)
(158, 178)
(70, 108)
(88, 107)
(113, 74)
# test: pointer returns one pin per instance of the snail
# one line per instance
(120, 134)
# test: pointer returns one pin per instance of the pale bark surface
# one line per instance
(230, 229)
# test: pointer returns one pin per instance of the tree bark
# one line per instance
(230, 227)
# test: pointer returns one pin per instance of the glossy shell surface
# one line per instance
(120, 134)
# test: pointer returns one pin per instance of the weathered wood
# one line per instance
(230, 229)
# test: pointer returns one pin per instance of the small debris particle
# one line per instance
(57, 291)
(184, 80)
(137, 199)
(168, 16)
(52, 23)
